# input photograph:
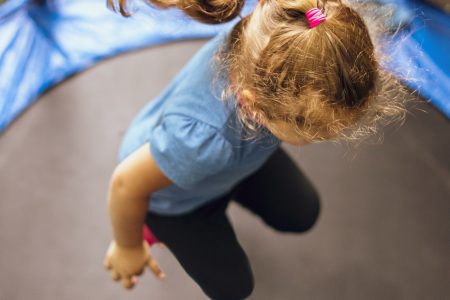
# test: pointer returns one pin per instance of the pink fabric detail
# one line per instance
(149, 237)
(315, 17)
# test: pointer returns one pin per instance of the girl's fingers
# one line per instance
(140, 272)
(155, 268)
(115, 275)
(127, 282)
(107, 263)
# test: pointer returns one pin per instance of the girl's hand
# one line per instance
(127, 263)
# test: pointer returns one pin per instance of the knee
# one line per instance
(303, 221)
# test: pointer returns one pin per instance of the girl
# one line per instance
(299, 71)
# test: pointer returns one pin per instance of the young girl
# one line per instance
(298, 71)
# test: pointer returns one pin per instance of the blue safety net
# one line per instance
(42, 44)
(423, 55)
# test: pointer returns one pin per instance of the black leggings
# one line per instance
(204, 242)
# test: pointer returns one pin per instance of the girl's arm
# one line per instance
(131, 185)
(132, 182)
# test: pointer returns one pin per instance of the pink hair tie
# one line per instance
(315, 17)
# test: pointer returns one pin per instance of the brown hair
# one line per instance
(206, 11)
(323, 82)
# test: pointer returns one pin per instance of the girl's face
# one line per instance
(285, 133)
(280, 129)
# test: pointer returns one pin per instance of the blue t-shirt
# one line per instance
(196, 138)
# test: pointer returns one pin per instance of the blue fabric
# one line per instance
(41, 45)
(422, 58)
(195, 137)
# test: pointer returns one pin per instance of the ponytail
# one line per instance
(205, 11)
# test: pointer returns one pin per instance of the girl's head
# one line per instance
(303, 84)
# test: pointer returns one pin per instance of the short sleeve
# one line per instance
(187, 150)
